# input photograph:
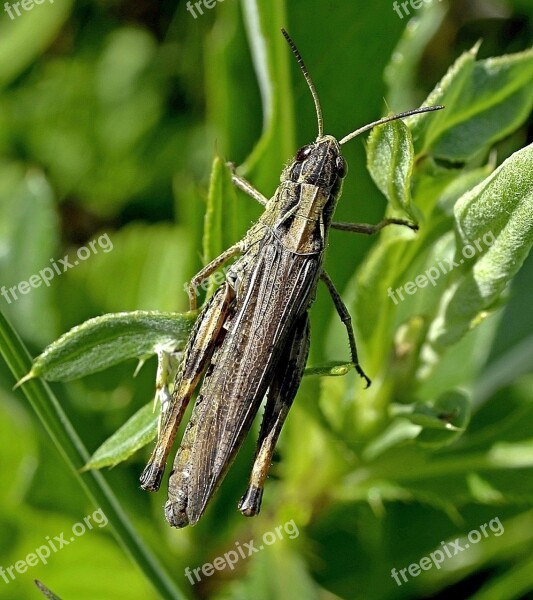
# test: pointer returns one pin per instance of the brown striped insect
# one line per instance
(252, 336)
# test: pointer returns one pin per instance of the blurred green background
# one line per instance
(110, 116)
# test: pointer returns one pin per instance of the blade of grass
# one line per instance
(75, 454)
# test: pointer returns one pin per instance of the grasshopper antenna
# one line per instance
(407, 113)
(301, 63)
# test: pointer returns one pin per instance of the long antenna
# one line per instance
(299, 58)
(407, 113)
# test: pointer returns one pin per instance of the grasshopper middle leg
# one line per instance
(347, 320)
(209, 269)
(371, 229)
(281, 394)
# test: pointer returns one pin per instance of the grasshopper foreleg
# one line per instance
(197, 355)
(347, 320)
(282, 391)
(245, 186)
(371, 229)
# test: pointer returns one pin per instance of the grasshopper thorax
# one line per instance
(305, 201)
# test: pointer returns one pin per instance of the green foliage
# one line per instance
(92, 140)
(390, 162)
(138, 431)
(105, 341)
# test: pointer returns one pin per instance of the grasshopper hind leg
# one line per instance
(281, 394)
(199, 351)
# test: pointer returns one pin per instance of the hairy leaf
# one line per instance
(110, 339)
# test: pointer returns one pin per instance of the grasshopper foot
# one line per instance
(250, 503)
(363, 375)
(151, 477)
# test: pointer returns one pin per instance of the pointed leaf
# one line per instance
(111, 339)
(138, 431)
(484, 100)
(495, 222)
(390, 162)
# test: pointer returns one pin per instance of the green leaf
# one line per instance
(506, 369)
(495, 222)
(219, 222)
(333, 368)
(433, 424)
(230, 84)
(390, 160)
(138, 431)
(29, 240)
(220, 205)
(484, 100)
(110, 339)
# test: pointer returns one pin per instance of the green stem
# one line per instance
(75, 454)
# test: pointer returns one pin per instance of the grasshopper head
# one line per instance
(319, 163)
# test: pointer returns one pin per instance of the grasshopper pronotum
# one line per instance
(252, 336)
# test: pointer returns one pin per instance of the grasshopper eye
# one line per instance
(341, 166)
(303, 153)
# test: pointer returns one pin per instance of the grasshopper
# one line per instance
(252, 336)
